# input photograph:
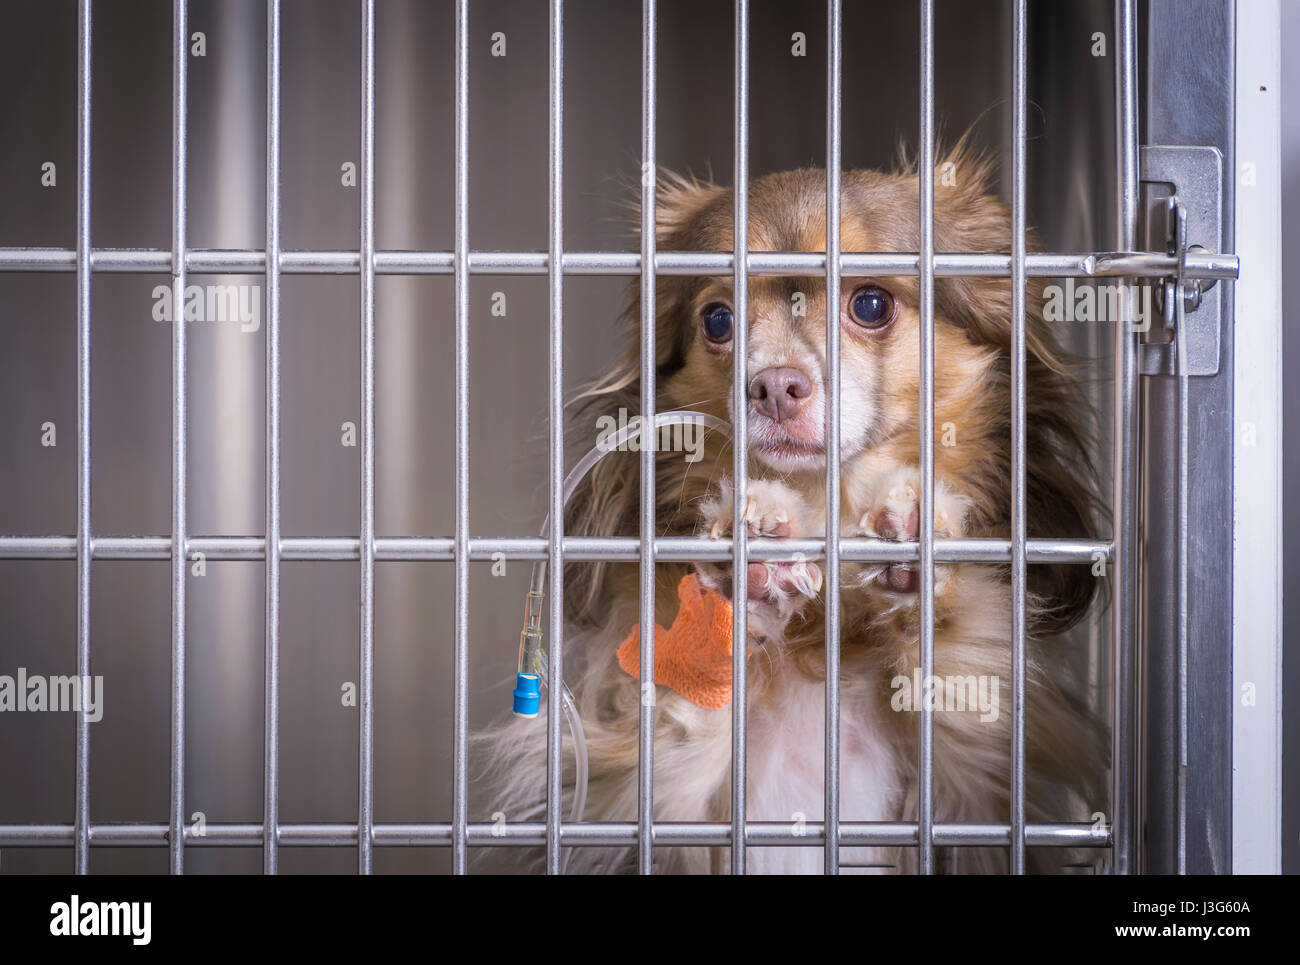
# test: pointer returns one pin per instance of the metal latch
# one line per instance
(1182, 199)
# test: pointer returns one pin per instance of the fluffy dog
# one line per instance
(785, 497)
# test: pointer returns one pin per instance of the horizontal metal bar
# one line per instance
(702, 834)
(674, 549)
(719, 263)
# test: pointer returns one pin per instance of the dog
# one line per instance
(1066, 746)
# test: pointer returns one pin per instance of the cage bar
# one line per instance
(925, 170)
(834, 152)
(649, 180)
(555, 535)
(180, 149)
(460, 723)
(810, 264)
(740, 443)
(1124, 509)
(81, 855)
(366, 688)
(1019, 135)
(533, 834)
(1184, 492)
(271, 751)
(670, 549)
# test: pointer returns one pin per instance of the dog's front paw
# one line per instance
(776, 589)
(895, 514)
(772, 510)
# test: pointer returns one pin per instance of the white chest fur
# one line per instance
(787, 767)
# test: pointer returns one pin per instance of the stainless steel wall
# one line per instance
(1071, 146)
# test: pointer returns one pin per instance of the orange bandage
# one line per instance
(693, 657)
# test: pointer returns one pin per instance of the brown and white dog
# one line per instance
(785, 497)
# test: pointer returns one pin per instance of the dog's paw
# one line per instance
(776, 589)
(772, 510)
(895, 514)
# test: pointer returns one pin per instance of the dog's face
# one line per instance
(879, 318)
(879, 334)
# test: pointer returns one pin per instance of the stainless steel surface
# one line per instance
(925, 168)
(180, 144)
(834, 158)
(555, 424)
(668, 549)
(649, 180)
(1189, 103)
(366, 685)
(740, 437)
(1183, 536)
(271, 725)
(82, 792)
(807, 264)
(1124, 576)
(1195, 175)
(1019, 511)
(667, 834)
(460, 683)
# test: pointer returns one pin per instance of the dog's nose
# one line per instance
(779, 393)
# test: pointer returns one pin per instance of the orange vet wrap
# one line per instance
(693, 657)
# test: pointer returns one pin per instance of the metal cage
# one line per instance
(1195, 783)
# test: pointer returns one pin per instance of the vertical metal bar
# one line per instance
(366, 750)
(460, 267)
(646, 723)
(834, 155)
(81, 856)
(1125, 452)
(180, 145)
(740, 443)
(925, 170)
(1180, 331)
(271, 725)
(554, 749)
(1018, 506)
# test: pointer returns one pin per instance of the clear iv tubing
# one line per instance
(533, 669)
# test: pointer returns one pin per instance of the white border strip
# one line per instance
(1257, 452)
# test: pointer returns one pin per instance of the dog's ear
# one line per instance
(965, 175)
(969, 217)
(679, 199)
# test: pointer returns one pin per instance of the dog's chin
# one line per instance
(790, 455)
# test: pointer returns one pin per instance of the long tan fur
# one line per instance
(1066, 746)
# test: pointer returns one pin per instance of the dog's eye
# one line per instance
(872, 307)
(717, 323)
